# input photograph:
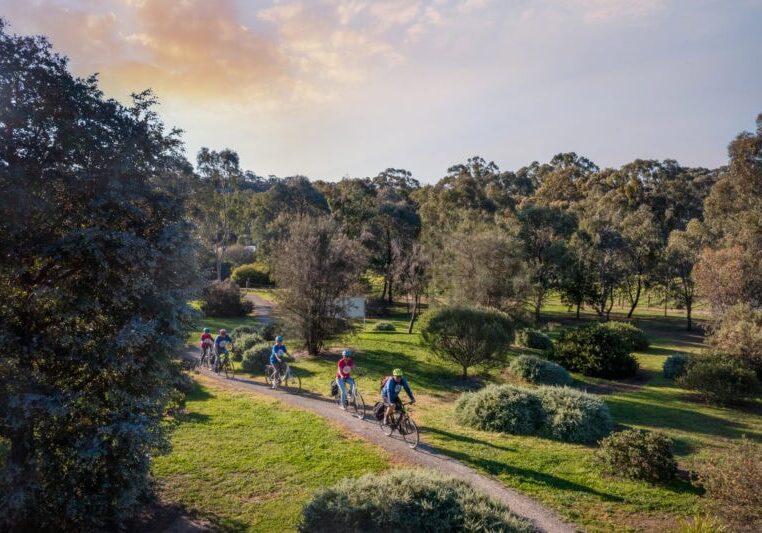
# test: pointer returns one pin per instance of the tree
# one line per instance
(321, 266)
(576, 281)
(682, 254)
(641, 248)
(96, 263)
(720, 278)
(467, 335)
(413, 271)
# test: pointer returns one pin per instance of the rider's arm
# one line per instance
(407, 390)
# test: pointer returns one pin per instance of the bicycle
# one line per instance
(354, 398)
(206, 356)
(224, 365)
(400, 420)
(271, 376)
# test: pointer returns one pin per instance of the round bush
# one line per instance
(223, 298)
(384, 326)
(573, 416)
(243, 342)
(635, 336)
(541, 371)
(720, 380)
(638, 454)
(532, 338)
(406, 501)
(595, 350)
(256, 358)
(504, 409)
(675, 365)
(244, 330)
(251, 274)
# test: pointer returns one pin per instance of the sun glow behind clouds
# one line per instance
(330, 87)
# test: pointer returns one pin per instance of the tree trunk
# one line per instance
(391, 300)
(578, 306)
(412, 316)
(538, 304)
(465, 372)
(383, 294)
(219, 263)
(688, 306)
(636, 299)
(665, 304)
(611, 304)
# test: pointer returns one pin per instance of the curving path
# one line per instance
(425, 456)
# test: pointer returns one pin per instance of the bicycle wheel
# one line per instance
(268, 374)
(409, 431)
(388, 429)
(229, 370)
(358, 404)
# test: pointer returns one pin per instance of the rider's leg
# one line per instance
(342, 391)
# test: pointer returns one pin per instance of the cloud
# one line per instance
(601, 11)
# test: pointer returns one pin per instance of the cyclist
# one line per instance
(390, 392)
(220, 347)
(343, 375)
(206, 342)
(276, 359)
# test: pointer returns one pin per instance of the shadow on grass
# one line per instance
(467, 440)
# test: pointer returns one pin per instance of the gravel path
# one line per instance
(425, 456)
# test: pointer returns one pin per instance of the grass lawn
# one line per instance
(562, 475)
(249, 463)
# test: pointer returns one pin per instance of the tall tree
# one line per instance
(95, 263)
(642, 243)
(682, 253)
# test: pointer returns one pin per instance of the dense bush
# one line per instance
(675, 365)
(555, 412)
(244, 330)
(256, 358)
(719, 380)
(251, 274)
(239, 255)
(638, 454)
(467, 335)
(541, 371)
(739, 335)
(406, 501)
(224, 299)
(635, 336)
(504, 409)
(532, 338)
(573, 416)
(246, 341)
(733, 483)
(595, 350)
(384, 326)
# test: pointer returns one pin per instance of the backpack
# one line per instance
(378, 410)
(384, 380)
(334, 388)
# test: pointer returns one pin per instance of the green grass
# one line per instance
(564, 476)
(249, 464)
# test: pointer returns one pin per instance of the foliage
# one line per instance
(406, 500)
(239, 255)
(384, 326)
(701, 524)
(675, 365)
(533, 338)
(256, 358)
(96, 260)
(720, 380)
(573, 416)
(638, 454)
(323, 266)
(720, 276)
(558, 413)
(251, 275)
(635, 336)
(223, 298)
(504, 409)
(467, 335)
(243, 342)
(244, 330)
(738, 335)
(595, 350)
(540, 371)
(733, 482)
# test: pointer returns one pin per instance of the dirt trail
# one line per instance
(425, 456)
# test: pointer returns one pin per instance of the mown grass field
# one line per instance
(562, 475)
(248, 463)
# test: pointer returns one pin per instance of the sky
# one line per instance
(335, 88)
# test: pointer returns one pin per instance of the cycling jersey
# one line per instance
(391, 390)
(220, 339)
(277, 351)
(345, 368)
(205, 337)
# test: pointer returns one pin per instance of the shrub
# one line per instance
(701, 524)
(720, 380)
(675, 365)
(595, 350)
(406, 500)
(733, 483)
(223, 298)
(384, 326)
(239, 255)
(251, 274)
(553, 326)
(244, 330)
(638, 454)
(269, 330)
(537, 370)
(467, 335)
(554, 412)
(504, 409)
(246, 341)
(635, 336)
(573, 416)
(739, 335)
(256, 358)
(532, 338)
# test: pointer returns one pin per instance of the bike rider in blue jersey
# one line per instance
(390, 392)
(220, 347)
(276, 359)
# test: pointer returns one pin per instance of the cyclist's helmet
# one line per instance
(397, 372)
(279, 338)
(206, 330)
(223, 332)
(347, 353)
